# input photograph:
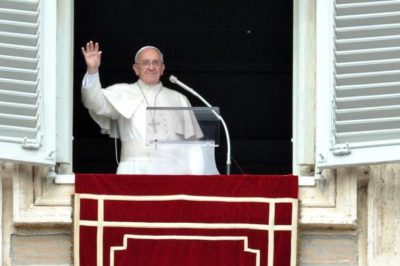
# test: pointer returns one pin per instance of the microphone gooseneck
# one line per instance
(176, 81)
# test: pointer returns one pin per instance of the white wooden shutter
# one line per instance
(27, 81)
(358, 82)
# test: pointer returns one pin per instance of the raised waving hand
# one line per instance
(92, 57)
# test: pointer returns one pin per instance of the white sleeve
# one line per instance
(89, 80)
(93, 97)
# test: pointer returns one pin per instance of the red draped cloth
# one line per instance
(185, 220)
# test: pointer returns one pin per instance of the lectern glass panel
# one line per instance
(172, 125)
(187, 135)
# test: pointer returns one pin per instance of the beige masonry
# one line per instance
(352, 221)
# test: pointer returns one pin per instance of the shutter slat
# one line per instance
(367, 54)
(18, 39)
(368, 78)
(353, 1)
(26, 5)
(368, 112)
(368, 31)
(18, 108)
(365, 20)
(18, 121)
(18, 15)
(366, 67)
(18, 50)
(18, 62)
(18, 27)
(367, 101)
(364, 7)
(368, 89)
(18, 132)
(18, 85)
(370, 43)
(18, 74)
(18, 97)
(359, 138)
(368, 124)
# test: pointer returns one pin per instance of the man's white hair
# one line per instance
(147, 47)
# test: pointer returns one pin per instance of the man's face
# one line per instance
(149, 67)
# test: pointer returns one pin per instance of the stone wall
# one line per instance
(353, 219)
(36, 217)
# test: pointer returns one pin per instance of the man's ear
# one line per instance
(134, 67)
(162, 69)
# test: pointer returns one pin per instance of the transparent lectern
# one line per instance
(186, 135)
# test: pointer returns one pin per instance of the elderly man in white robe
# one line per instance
(121, 111)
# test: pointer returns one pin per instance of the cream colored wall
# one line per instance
(353, 220)
(359, 223)
(36, 217)
(383, 212)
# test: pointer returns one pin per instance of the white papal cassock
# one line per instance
(120, 111)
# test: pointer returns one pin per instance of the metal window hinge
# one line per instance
(31, 144)
(341, 149)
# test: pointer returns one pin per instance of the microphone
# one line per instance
(176, 81)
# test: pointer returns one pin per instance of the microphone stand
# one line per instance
(175, 80)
